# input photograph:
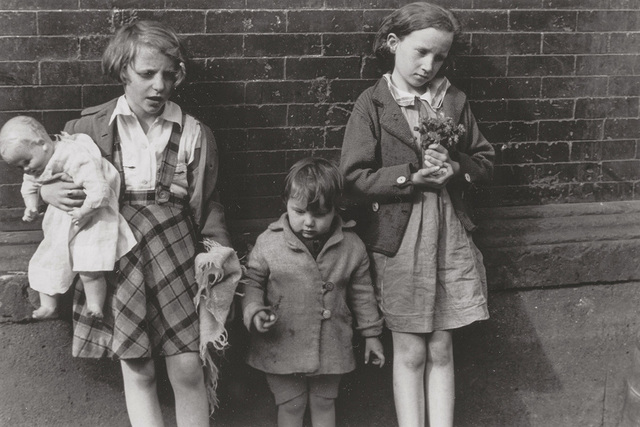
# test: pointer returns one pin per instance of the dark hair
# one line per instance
(316, 180)
(414, 17)
(129, 38)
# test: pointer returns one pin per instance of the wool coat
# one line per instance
(208, 212)
(379, 154)
(313, 300)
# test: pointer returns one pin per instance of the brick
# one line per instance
(570, 87)
(246, 116)
(317, 115)
(259, 185)
(480, 66)
(371, 19)
(540, 65)
(348, 90)
(606, 107)
(228, 21)
(39, 98)
(624, 43)
(504, 44)
(252, 163)
(282, 45)
(624, 86)
(512, 88)
(622, 4)
(284, 4)
(332, 68)
(95, 95)
(552, 174)
(621, 170)
(574, 43)
(606, 65)
(483, 21)
(509, 175)
(285, 139)
(92, 47)
(621, 128)
(17, 23)
(600, 192)
(325, 21)
(509, 131)
(264, 207)
(74, 23)
(371, 68)
(54, 121)
(207, 46)
(284, 92)
(535, 152)
(204, 4)
(181, 21)
(18, 73)
(392, 4)
(209, 93)
(354, 44)
(121, 4)
(539, 20)
(72, 73)
(602, 150)
(606, 21)
(572, 4)
(529, 110)
(245, 69)
(9, 174)
(37, 4)
(571, 130)
(334, 137)
(490, 111)
(37, 48)
(10, 196)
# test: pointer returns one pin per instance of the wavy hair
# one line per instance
(316, 180)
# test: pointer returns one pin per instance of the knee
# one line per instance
(141, 372)
(441, 353)
(320, 403)
(413, 358)
(295, 406)
(185, 372)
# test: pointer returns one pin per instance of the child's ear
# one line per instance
(392, 42)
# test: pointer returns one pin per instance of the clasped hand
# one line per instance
(63, 194)
(438, 168)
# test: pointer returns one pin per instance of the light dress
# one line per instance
(67, 249)
(436, 280)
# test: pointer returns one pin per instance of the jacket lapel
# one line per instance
(105, 132)
(391, 118)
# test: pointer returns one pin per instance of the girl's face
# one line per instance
(310, 223)
(149, 80)
(418, 57)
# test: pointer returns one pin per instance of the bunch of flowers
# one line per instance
(441, 130)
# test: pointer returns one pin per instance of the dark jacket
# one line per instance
(379, 154)
(94, 121)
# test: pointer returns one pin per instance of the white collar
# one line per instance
(171, 112)
(434, 95)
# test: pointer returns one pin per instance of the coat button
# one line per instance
(401, 180)
(328, 286)
(375, 206)
(326, 313)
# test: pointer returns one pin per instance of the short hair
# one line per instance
(316, 180)
(30, 123)
(414, 17)
(129, 38)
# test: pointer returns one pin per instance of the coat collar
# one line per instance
(292, 241)
(102, 129)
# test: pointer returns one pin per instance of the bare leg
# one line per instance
(439, 379)
(291, 413)
(48, 307)
(409, 360)
(140, 393)
(95, 289)
(323, 411)
(187, 379)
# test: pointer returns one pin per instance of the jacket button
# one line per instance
(467, 177)
(375, 206)
(326, 313)
(401, 180)
(328, 286)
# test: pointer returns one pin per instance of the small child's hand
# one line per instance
(264, 320)
(374, 345)
(30, 215)
(80, 216)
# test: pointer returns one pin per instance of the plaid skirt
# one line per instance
(149, 309)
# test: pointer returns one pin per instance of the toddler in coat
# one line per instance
(303, 274)
(87, 240)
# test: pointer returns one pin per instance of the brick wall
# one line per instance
(554, 84)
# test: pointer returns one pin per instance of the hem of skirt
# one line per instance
(108, 354)
(417, 324)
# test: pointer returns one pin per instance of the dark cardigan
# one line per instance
(379, 154)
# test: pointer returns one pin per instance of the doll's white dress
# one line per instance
(67, 249)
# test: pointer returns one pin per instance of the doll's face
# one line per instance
(310, 223)
(149, 81)
(418, 57)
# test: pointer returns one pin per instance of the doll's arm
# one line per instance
(29, 190)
